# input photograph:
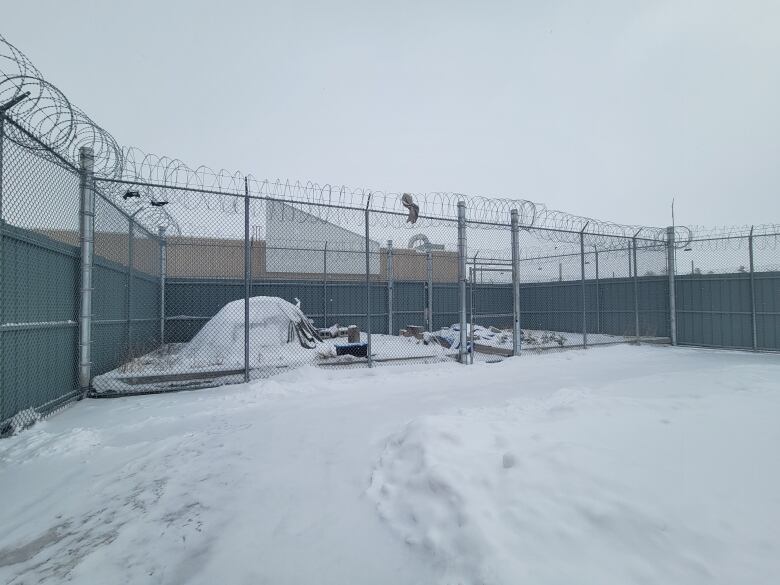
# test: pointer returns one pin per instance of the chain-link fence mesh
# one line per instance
(329, 285)
(766, 291)
(39, 219)
(727, 292)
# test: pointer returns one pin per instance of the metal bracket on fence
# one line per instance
(87, 246)
(670, 268)
(517, 333)
(462, 280)
(12, 102)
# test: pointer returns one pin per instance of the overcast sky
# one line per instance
(606, 109)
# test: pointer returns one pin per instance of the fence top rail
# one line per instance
(743, 237)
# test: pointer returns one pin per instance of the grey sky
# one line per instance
(603, 108)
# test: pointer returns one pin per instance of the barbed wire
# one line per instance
(48, 115)
(203, 186)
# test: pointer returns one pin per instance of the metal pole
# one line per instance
(472, 272)
(390, 287)
(517, 333)
(368, 290)
(598, 300)
(163, 273)
(87, 237)
(462, 279)
(325, 285)
(672, 295)
(129, 289)
(636, 293)
(2, 256)
(246, 279)
(754, 331)
(582, 278)
(429, 278)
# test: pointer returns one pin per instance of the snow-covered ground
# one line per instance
(615, 465)
(532, 339)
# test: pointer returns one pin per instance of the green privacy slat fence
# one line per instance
(115, 339)
(191, 303)
(39, 284)
(555, 306)
(714, 310)
(40, 293)
(40, 309)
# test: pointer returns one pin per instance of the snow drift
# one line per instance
(272, 322)
(626, 465)
(624, 484)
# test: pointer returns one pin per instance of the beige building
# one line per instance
(201, 257)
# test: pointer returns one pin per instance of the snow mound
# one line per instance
(272, 323)
(545, 494)
(495, 337)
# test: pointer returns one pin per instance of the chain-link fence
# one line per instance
(728, 292)
(38, 282)
(112, 286)
(360, 287)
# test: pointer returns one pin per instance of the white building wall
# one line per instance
(295, 243)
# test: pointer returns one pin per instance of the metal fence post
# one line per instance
(325, 285)
(472, 276)
(429, 286)
(129, 289)
(598, 300)
(368, 288)
(2, 257)
(87, 241)
(636, 292)
(582, 278)
(754, 331)
(462, 280)
(163, 270)
(390, 287)
(517, 333)
(246, 279)
(670, 268)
